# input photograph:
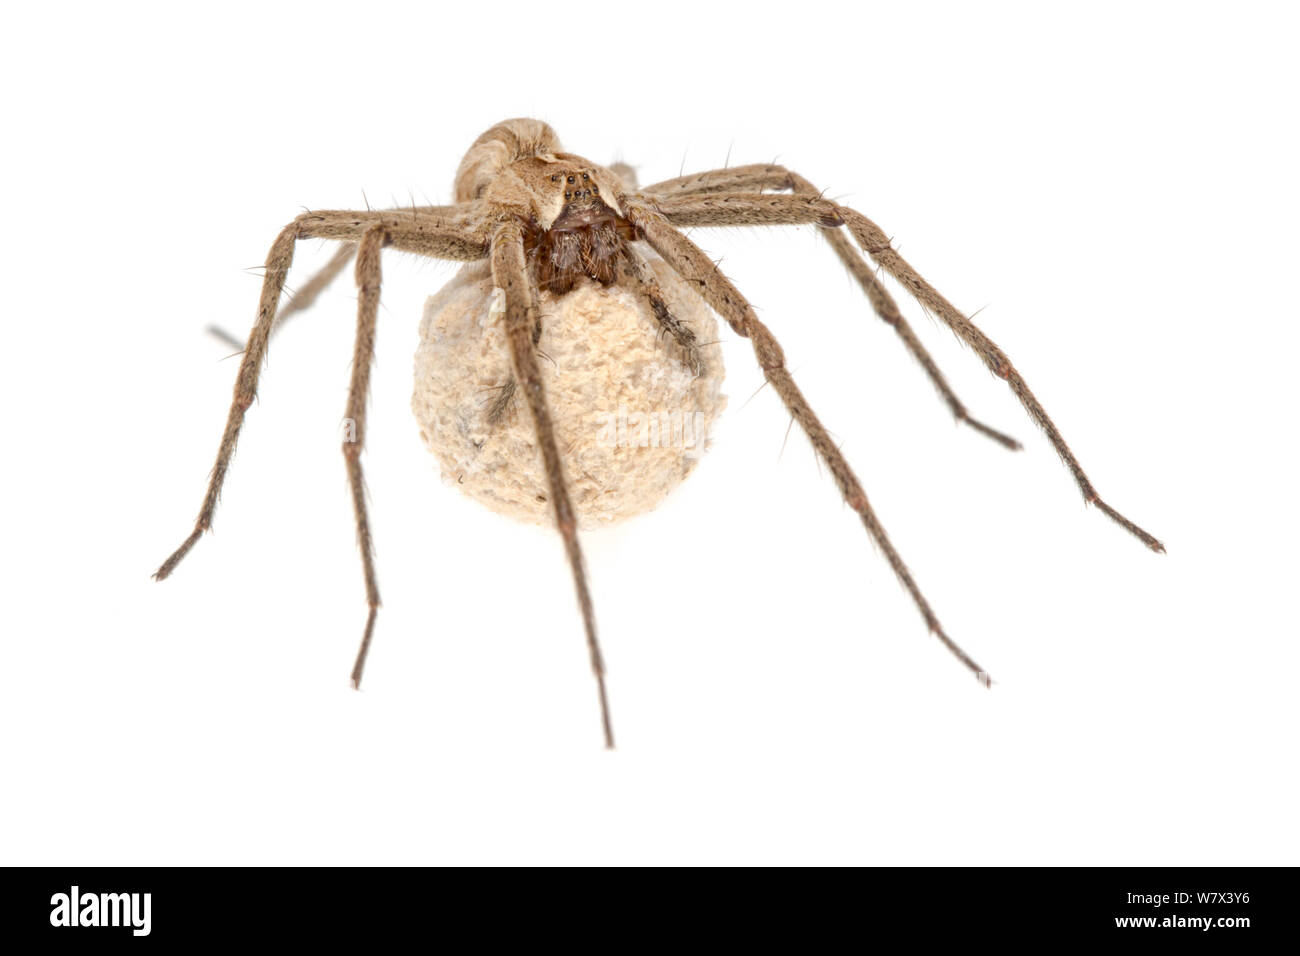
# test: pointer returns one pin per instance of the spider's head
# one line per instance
(574, 226)
(557, 191)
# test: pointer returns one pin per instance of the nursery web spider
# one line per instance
(548, 219)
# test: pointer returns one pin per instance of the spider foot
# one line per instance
(1148, 539)
(980, 673)
(1000, 437)
(169, 565)
(360, 664)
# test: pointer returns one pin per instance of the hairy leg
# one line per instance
(510, 275)
(303, 297)
(760, 177)
(278, 261)
(369, 276)
(754, 209)
(456, 235)
(716, 289)
(641, 279)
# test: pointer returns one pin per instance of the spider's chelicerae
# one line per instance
(546, 228)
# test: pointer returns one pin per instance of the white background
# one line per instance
(1114, 187)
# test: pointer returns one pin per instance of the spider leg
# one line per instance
(716, 289)
(641, 278)
(304, 297)
(278, 261)
(772, 209)
(369, 276)
(510, 274)
(759, 177)
(438, 232)
(435, 232)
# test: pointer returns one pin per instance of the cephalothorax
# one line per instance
(546, 223)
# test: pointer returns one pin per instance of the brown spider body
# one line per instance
(570, 228)
(590, 240)
(544, 219)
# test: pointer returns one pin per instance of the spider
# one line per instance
(550, 223)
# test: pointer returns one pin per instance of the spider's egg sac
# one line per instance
(631, 417)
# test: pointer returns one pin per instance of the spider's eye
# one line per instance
(585, 177)
(570, 180)
(555, 178)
